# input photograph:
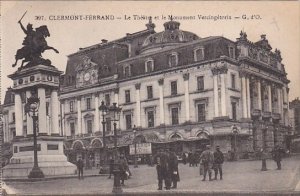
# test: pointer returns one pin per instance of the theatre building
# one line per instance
(177, 90)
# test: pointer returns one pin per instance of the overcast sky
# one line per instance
(279, 21)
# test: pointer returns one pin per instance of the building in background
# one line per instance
(177, 90)
(295, 124)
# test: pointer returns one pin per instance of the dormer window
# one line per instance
(149, 65)
(199, 54)
(173, 59)
(231, 52)
(127, 70)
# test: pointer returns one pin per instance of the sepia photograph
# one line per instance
(150, 98)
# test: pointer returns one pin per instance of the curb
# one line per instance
(48, 178)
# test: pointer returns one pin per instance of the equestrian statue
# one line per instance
(34, 45)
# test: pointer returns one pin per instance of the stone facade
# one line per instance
(177, 90)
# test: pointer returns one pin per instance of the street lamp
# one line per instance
(103, 108)
(235, 132)
(32, 107)
(116, 115)
(135, 157)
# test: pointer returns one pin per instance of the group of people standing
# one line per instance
(167, 169)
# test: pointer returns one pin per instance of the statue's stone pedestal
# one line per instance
(51, 158)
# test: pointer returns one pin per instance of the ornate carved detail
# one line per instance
(243, 36)
(116, 90)
(96, 94)
(138, 86)
(78, 98)
(219, 70)
(186, 76)
(161, 81)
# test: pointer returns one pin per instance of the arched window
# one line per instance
(176, 136)
(199, 54)
(127, 70)
(173, 59)
(149, 65)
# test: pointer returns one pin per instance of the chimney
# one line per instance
(263, 37)
(104, 41)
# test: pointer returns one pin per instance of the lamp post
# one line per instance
(32, 107)
(116, 114)
(235, 132)
(103, 108)
(135, 157)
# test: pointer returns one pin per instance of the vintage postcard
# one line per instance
(150, 97)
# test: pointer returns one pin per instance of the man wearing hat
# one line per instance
(218, 161)
(207, 158)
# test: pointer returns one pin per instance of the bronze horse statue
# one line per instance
(35, 45)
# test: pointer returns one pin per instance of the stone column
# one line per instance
(161, 101)
(269, 98)
(79, 120)
(279, 100)
(42, 112)
(29, 121)
(216, 97)
(54, 112)
(186, 96)
(259, 94)
(244, 97)
(116, 92)
(223, 94)
(18, 114)
(138, 104)
(97, 123)
(62, 105)
(248, 97)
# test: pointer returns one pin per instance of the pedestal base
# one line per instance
(51, 159)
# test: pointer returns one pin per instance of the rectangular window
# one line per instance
(174, 88)
(107, 99)
(108, 124)
(201, 112)
(149, 92)
(233, 109)
(175, 118)
(13, 117)
(200, 83)
(72, 128)
(231, 52)
(127, 96)
(89, 125)
(233, 81)
(47, 108)
(88, 103)
(71, 106)
(150, 118)
(128, 121)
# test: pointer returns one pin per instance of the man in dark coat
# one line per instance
(123, 166)
(173, 169)
(218, 161)
(162, 168)
(79, 165)
(207, 158)
(277, 156)
(111, 166)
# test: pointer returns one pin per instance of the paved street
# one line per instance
(239, 177)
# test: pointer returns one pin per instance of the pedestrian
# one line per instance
(263, 156)
(184, 158)
(79, 165)
(207, 159)
(173, 169)
(162, 168)
(277, 156)
(218, 161)
(111, 167)
(123, 166)
(190, 159)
